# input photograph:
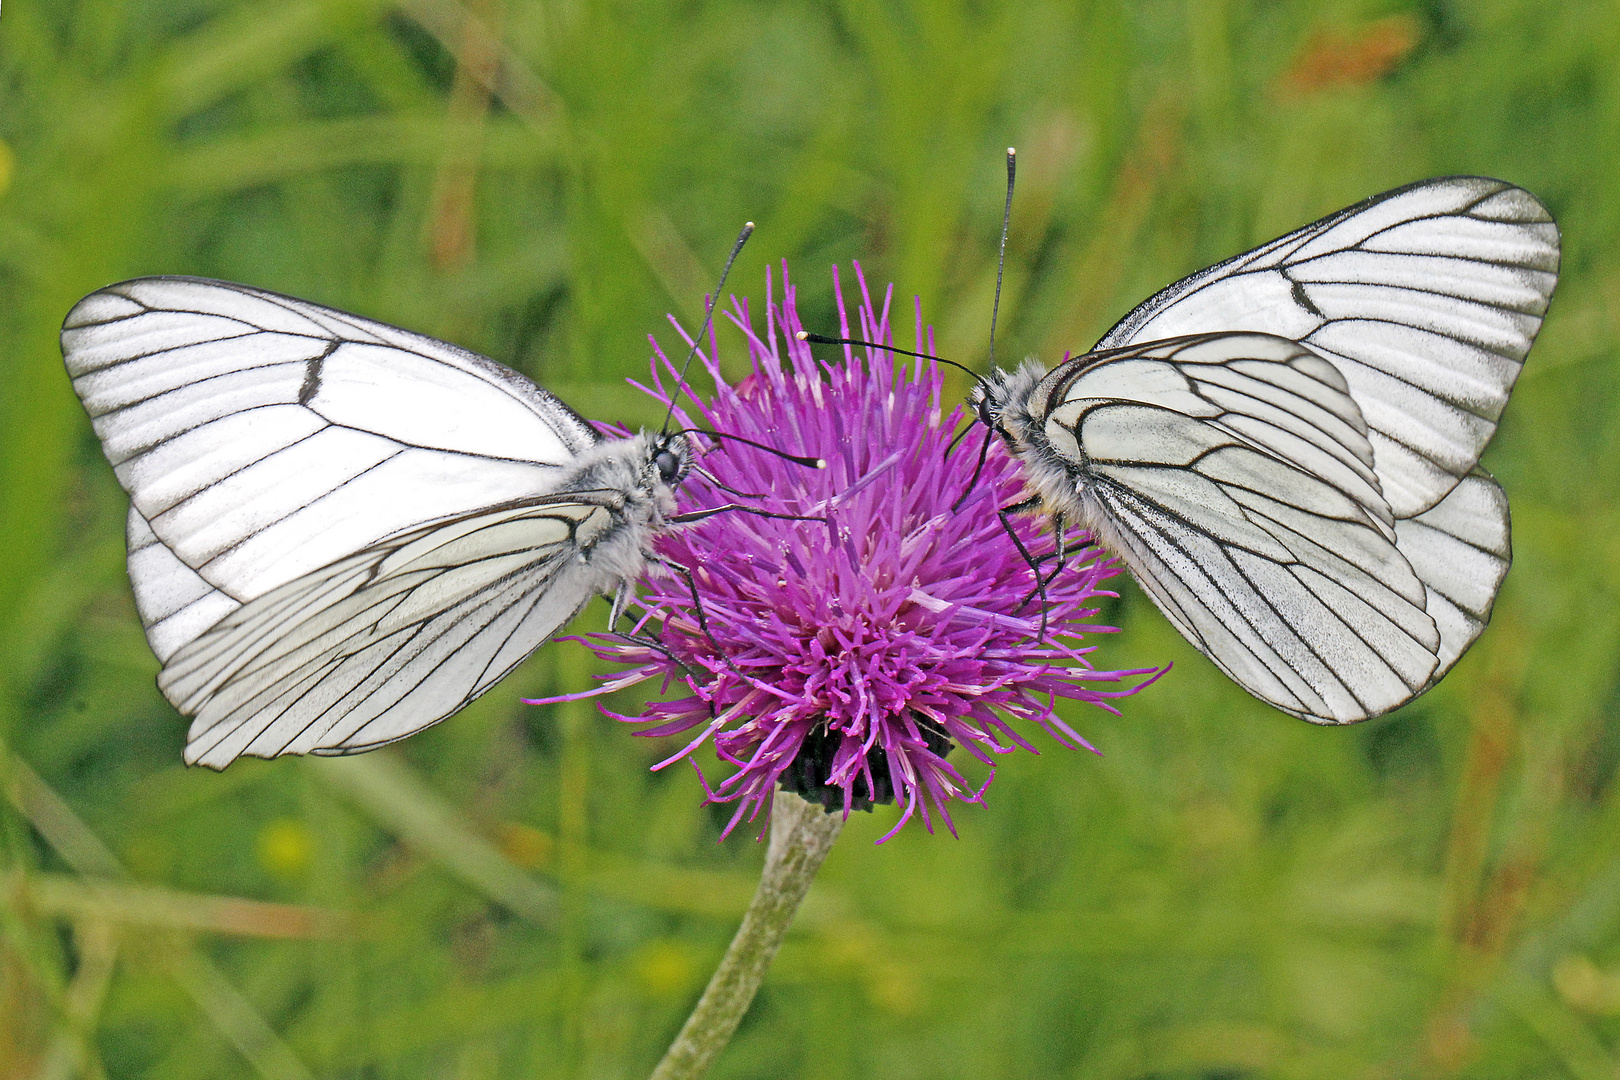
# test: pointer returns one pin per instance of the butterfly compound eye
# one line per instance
(669, 466)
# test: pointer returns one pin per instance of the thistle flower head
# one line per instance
(845, 657)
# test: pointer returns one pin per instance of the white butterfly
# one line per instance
(341, 532)
(1284, 447)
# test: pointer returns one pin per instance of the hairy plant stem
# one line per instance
(801, 835)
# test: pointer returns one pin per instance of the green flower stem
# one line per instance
(801, 835)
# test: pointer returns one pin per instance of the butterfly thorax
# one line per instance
(1013, 404)
(634, 478)
(1002, 401)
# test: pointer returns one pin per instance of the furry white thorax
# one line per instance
(1004, 401)
(624, 477)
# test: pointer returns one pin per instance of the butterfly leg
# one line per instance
(1005, 514)
(1061, 555)
(685, 574)
(1060, 527)
(984, 454)
(703, 622)
(622, 598)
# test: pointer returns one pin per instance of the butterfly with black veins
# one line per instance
(341, 532)
(1283, 448)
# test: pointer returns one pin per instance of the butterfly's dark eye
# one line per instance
(669, 466)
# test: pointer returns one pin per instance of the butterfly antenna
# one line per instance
(956, 440)
(717, 482)
(708, 318)
(823, 339)
(995, 312)
(806, 460)
(1001, 260)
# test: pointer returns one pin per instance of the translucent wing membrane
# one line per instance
(1233, 472)
(387, 641)
(1426, 298)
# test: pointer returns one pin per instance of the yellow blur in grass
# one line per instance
(666, 968)
(1586, 986)
(285, 847)
(525, 845)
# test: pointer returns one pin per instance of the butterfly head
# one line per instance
(670, 457)
(1001, 401)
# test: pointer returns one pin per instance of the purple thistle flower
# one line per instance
(844, 659)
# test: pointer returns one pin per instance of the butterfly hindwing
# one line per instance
(1426, 298)
(1461, 550)
(387, 641)
(1233, 472)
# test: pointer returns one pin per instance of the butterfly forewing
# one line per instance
(174, 602)
(261, 437)
(1426, 298)
(1233, 473)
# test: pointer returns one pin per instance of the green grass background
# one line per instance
(1226, 893)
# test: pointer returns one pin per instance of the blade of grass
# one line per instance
(383, 785)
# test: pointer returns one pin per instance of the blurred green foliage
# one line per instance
(1227, 893)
